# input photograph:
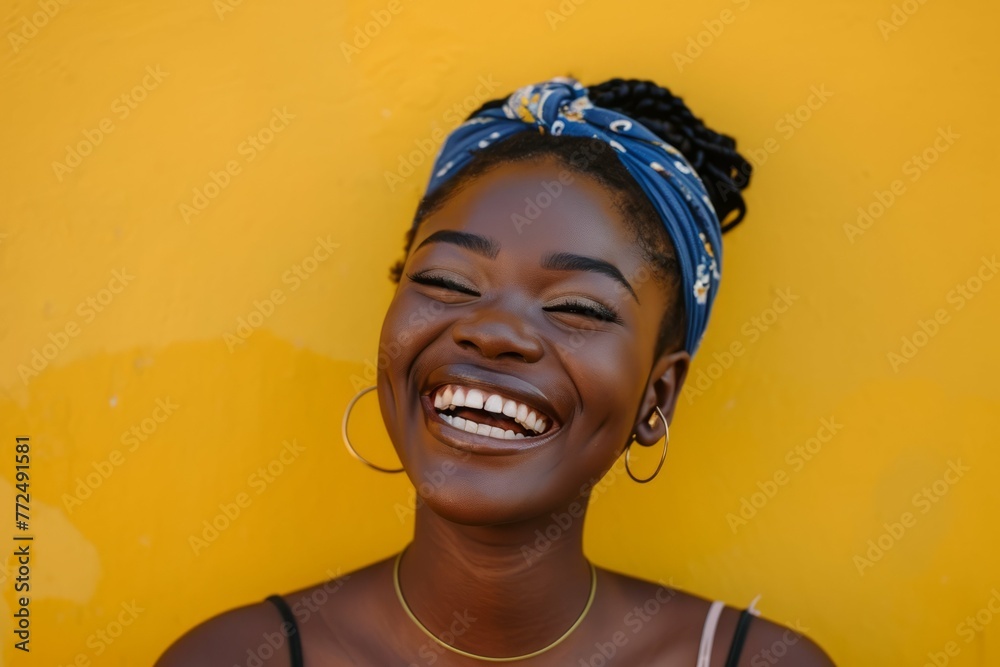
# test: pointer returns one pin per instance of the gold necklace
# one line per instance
(409, 612)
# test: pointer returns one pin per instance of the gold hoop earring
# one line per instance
(347, 441)
(666, 441)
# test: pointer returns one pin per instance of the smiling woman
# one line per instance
(569, 250)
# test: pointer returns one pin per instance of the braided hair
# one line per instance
(713, 155)
(723, 171)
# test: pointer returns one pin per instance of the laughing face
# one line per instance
(523, 333)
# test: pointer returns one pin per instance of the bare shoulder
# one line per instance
(770, 643)
(325, 615)
(679, 617)
(231, 637)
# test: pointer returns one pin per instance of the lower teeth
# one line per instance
(481, 429)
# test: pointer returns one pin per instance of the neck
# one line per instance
(498, 590)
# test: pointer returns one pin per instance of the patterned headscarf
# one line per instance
(560, 106)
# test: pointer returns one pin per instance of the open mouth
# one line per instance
(490, 414)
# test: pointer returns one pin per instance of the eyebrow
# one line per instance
(481, 245)
(557, 261)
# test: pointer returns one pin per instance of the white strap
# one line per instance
(708, 633)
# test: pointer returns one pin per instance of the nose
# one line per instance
(498, 330)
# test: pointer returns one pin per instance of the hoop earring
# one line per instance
(347, 441)
(666, 441)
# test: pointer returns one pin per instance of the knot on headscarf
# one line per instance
(560, 106)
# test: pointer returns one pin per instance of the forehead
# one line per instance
(537, 207)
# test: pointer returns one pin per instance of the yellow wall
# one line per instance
(885, 82)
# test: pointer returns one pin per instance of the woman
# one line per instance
(558, 276)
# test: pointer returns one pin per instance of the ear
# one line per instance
(666, 380)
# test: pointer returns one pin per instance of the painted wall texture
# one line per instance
(199, 203)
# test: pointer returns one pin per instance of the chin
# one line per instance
(486, 514)
(482, 497)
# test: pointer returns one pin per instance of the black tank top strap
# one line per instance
(742, 625)
(292, 631)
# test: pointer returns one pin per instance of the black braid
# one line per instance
(723, 171)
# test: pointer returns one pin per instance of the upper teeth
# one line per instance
(452, 395)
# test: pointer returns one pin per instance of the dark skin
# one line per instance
(472, 568)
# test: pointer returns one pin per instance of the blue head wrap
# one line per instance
(560, 106)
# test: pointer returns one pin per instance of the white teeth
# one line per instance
(453, 396)
(474, 399)
(493, 404)
(481, 429)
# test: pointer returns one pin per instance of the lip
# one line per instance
(492, 382)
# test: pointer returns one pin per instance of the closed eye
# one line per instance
(441, 281)
(602, 313)
(572, 306)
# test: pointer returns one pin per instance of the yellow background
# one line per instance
(226, 67)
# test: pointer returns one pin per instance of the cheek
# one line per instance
(609, 375)
(408, 322)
